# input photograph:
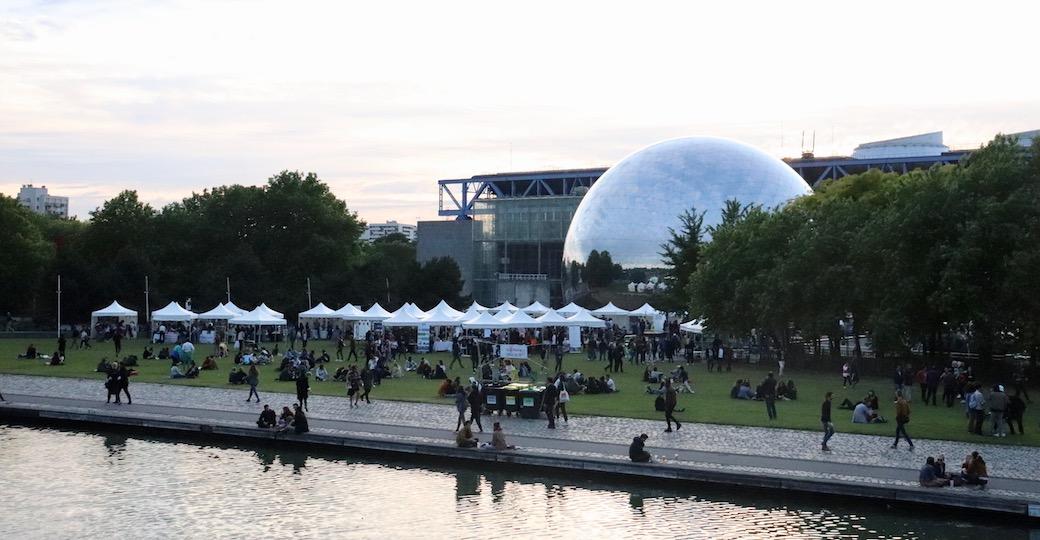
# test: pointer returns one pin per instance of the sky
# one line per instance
(382, 99)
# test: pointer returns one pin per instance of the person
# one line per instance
(769, 395)
(285, 420)
(461, 404)
(124, 383)
(825, 419)
(267, 418)
(320, 373)
(175, 372)
(998, 404)
(366, 384)
(861, 414)
(671, 399)
(976, 410)
(745, 391)
(209, 364)
(637, 450)
(1015, 410)
(902, 419)
(475, 405)
(498, 438)
(253, 379)
(973, 471)
(549, 402)
(302, 389)
(927, 477)
(84, 339)
(112, 386)
(464, 438)
(611, 386)
(30, 353)
(353, 386)
(339, 349)
(684, 381)
(117, 341)
(299, 419)
(846, 375)
(61, 345)
(563, 399)
(353, 349)
(779, 360)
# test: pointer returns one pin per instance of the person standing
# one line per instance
(302, 389)
(353, 349)
(339, 348)
(117, 340)
(124, 383)
(780, 360)
(558, 353)
(769, 395)
(252, 380)
(671, 399)
(564, 397)
(976, 410)
(456, 352)
(366, 384)
(931, 380)
(61, 345)
(549, 401)
(902, 419)
(998, 404)
(353, 386)
(475, 406)
(461, 404)
(825, 419)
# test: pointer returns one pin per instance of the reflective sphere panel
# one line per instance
(629, 209)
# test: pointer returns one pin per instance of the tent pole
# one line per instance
(228, 289)
(147, 313)
(59, 305)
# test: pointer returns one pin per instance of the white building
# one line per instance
(379, 230)
(38, 200)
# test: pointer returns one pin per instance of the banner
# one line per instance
(513, 351)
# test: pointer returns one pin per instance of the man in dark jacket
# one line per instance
(549, 402)
(475, 406)
(637, 451)
(769, 395)
(267, 418)
(825, 419)
(671, 399)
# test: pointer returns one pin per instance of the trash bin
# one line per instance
(531, 402)
(511, 401)
(494, 399)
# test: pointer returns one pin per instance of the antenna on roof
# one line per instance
(809, 153)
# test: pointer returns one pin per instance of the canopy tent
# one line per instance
(448, 309)
(521, 320)
(503, 315)
(552, 318)
(610, 310)
(231, 306)
(570, 309)
(484, 320)
(114, 310)
(350, 312)
(695, 326)
(258, 317)
(219, 313)
(401, 317)
(443, 315)
(477, 307)
(504, 306)
(173, 312)
(646, 310)
(263, 307)
(376, 313)
(585, 319)
(411, 310)
(536, 308)
(320, 311)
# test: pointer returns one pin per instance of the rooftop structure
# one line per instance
(38, 200)
(379, 230)
(456, 197)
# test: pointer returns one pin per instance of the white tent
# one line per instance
(173, 312)
(231, 306)
(646, 310)
(521, 320)
(401, 317)
(115, 310)
(504, 306)
(219, 313)
(570, 309)
(477, 307)
(376, 313)
(320, 311)
(258, 317)
(552, 318)
(585, 319)
(484, 320)
(503, 315)
(610, 310)
(276, 314)
(411, 310)
(695, 326)
(536, 308)
(442, 315)
(448, 309)
(350, 312)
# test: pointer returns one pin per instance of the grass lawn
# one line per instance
(710, 404)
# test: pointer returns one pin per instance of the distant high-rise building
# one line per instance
(379, 230)
(38, 200)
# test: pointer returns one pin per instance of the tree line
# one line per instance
(928, 258)
(267, 239)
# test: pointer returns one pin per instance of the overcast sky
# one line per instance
(383, 98)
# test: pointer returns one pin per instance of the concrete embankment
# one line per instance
(552, 461)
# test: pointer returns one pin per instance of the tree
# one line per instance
(25, 251)
(681, 254)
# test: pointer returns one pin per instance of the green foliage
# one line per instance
(25, 254)
(681, 254)
(600, 270)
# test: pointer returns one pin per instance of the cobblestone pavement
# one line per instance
(1016, 462)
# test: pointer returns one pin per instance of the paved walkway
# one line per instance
(856, 458)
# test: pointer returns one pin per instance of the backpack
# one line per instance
(659, 403)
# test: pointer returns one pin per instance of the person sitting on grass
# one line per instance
(440, 372)
(733, 392)
(448, 387)
(341, 374)
(237, 376)
(611, 386)
(56, 359)
(792, 392)
(147, 354)
(927, 477)
(210, 363)
(175, 372)
(637, 450)
(193, 371)
(410, 365)
(102, 366)
(320, 373)
(164, 353)
(268, 418)
(464, 437)
(425, 369)
(745, 391)
(30, 353)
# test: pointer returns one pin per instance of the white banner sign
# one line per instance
(513, 351)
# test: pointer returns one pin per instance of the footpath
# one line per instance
(860, 466)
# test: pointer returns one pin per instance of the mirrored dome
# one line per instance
(629, 209)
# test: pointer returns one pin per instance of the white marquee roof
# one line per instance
(320, 311)
(173, 312)
(236, 309)
(504, 306)
(114, 310)
(350, 312)
(570, 309)
(585, 319)
(220, 312)
(610, 310)
(377, 313)
(277, 314)
(536, 308)
(258, 317)
(484, 320)
(552, 318)
(521, 320)
(477, 307)
(646, 310)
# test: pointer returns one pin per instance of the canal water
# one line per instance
(59, 484)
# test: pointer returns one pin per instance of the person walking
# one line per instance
(302, 389)
(902, 419)
(564, 397)
(825, 419)
(671, 399)
(456, 353)
(769, 395)
(461, 404)
(124, 383)
(253, 379)
(353, 349)
(339, 349)
(366, 384)
(353, 386)
(549, 401)
(475, 406)
(558, 353)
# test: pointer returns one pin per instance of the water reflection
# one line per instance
(89, 486)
